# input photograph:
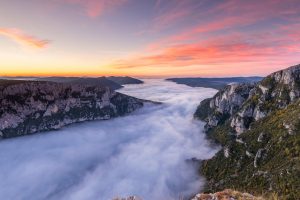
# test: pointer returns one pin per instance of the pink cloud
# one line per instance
(95, 8)
(23, 39)
(230, 15)
(219, 38)
(222, 53)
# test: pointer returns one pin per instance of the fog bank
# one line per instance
(142, 154)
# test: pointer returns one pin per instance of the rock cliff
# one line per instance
(258, 126)
(245, 103)
(28, 107)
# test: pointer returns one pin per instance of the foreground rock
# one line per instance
(223, 195)
(226, 195)
(258, 126)
(28, 107)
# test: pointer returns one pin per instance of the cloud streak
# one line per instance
(169, 14)
(236, 48)
(24, 39)
(225, 34)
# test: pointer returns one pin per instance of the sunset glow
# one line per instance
(148, 38)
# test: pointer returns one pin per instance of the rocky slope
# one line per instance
(259, 128)
(28, 107)
(245, 103)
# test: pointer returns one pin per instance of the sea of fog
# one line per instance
(143, 154)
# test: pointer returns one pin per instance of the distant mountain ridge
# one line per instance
(258, 125)
(216, 83)
(28, 107)
(124, 80)
(113, 82)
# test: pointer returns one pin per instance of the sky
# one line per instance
(148, 38)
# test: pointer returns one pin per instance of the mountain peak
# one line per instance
(288, 75)
(244, 103)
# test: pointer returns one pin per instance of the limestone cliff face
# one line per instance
(258, 126)
(31, 107)
(246, 103)
(224, 104)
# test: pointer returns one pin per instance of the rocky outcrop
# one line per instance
(258, 126)
(35, 106)
(246, 103)
(226, 195)
(276, 91)
(224, 104)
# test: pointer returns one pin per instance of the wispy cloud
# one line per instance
(233, 15)
(227, 49)
(168, 14)
(221, 52)
(225, 36)
(95, 8)
(24, 39)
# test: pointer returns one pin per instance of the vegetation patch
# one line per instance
(262, 160)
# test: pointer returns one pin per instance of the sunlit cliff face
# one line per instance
(148, 37)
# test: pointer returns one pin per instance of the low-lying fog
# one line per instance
(142, 154)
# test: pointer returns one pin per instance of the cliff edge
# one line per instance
(258, 126)
(28, 107)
